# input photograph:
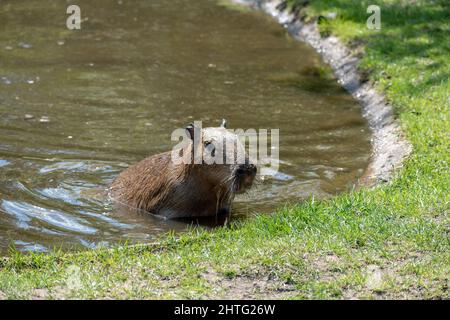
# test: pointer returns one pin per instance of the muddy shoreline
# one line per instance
(389, 147)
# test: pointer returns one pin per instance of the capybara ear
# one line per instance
(223, 124)
(190, 130)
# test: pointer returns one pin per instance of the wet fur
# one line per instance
(159, 186)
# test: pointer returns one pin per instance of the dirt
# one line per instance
(389, 147)
(247, 287)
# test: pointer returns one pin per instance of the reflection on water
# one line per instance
(77, 107)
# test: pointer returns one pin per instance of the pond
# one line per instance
(78, 106)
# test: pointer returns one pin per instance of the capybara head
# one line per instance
(220, 157)
(199, 177)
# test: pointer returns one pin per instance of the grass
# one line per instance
(391, 241)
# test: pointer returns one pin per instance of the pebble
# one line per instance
(25, 45)
(44, 119)
(60, 42)
(28, 116)
(5, 80)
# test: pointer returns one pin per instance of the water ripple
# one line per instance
(26, 213)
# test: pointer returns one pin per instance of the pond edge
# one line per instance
(389, 145)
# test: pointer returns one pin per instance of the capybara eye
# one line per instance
(210, 148)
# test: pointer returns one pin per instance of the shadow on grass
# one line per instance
(413, 34)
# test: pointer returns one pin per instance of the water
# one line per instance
(77, 107)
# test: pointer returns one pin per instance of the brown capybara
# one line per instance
(195, 187)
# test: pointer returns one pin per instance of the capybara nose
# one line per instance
(246, 169)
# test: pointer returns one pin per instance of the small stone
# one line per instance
(44, 119)
(69, 137)
(25, 45)
(5, 80)
(60, 42)
(28, 117)
(30, 81)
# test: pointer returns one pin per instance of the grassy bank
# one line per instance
(390, 241)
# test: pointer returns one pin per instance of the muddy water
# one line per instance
(77, 107)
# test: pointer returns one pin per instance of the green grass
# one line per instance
(388, 242)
